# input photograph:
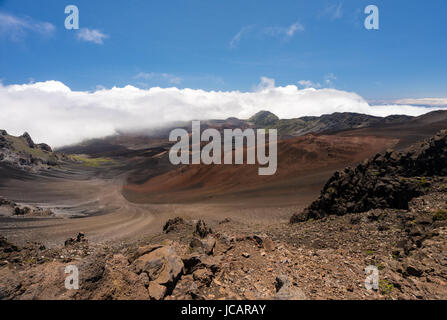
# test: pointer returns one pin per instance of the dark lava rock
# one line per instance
(6, 246)
(388, 180)
(44, 147)
(173, 224)
(202, 230)
(79, 239)
(28, 140)
(21, 211)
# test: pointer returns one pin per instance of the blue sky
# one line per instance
(229, 45)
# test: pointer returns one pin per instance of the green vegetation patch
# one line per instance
(94, 162)
(440, 215)
(385, 287)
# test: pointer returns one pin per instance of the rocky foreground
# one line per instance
(316, 259)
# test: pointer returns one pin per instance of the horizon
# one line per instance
(159, 63)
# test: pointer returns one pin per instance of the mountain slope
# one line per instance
(388, 180)
(326, 123)
(22, 152)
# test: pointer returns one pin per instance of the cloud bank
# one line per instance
(53, 113)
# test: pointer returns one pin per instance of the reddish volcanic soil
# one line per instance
(304, 165)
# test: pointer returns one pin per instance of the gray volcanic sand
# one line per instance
(82, 201)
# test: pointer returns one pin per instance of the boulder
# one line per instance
(173, 224)
(144, 250)
(80, 238)
(156, 291)
(206, 245)
(196, 261)
(202, 230)
(163, 267)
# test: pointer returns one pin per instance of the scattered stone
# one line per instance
(20, 211)
(80, 238)
(156, 291)
(6, 246)
(286, 291)
(202, 230)
(173, 224)
(195, 243)
(268, 244)
(203, 276)
(226, 220)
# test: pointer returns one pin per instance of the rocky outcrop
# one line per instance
(44, 147)
(388, 180)
(10, 208)
(23, 153)
(202, 230)
(28, 140)
(174, 224)
(80, 238)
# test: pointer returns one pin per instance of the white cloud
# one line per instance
(265, 84)
(280, 32)
(287, 32)
(170, 78)
(237, 38)
(53, 113)
(309, 84)
(334, 11)
(424, 101)
(91, 35)
(329, 79)
(16, 28)
(293, 28)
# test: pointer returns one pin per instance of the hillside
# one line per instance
(22, 152)
(324, 124)
(388, 180)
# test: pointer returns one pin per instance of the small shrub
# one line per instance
(385, 287)
(440, 215)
